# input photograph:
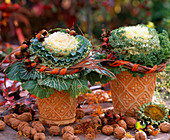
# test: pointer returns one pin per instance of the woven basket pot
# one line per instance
(128, 92)
(58, 109)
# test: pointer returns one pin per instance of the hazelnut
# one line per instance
(140, 136)
(7, 117)
(68, 136)
(2, 125)
(114, 126)
(131, 122)
(54, 130)
(68, 129)
(119, 132)
(80, 113)
(107, 130)
(123, 124)
(165, 127)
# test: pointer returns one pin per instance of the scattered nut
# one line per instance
(107, 130)
(165, 127)
(2, 125)
(54, 130)
(119, 132)
(114, 126)
(123, 124)
(131, 122)
(68, 129)
(96, 121)
(80, 113)
(39, 136)
(140, 136)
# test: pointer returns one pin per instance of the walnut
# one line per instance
(38, 126)
(80, 113)
(27, 116)
(119, 132)
(69, 136)
(96, 121)
(2, 125)
(68, 128)
(7, 117)
(29, 131)
(140, 136)
(114, 126)
(131, 122)
(123, 124)
(165, 127)
(13, 122)
(107, 130)
(22, 125)
(54, 130)
(39, 136)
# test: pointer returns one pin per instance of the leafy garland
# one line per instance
(42, 85)
(147, 56)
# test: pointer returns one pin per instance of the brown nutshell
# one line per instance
(38, 126)
(13, 122)
(114, 126)
(140, 136)
(80, 113)
(2, 125)
(123, 124)
(54, 130)
(107, 130)
(119, 132)
(39, 136)
(165, 127)
(27, 116)
(131, 122)
(68, 129)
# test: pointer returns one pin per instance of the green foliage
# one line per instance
(42, 85)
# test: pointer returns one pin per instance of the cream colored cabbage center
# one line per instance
(61, 42)
(137, 31)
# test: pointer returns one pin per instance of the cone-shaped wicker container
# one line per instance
(128, 92)
(58, 109)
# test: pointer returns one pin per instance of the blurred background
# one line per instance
(21, 19)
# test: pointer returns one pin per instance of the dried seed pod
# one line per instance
(68, 128)
(24, 47)
(29, 131)
(107, 130)
(96, 121)
(68, 136)
(27, 116)
(38, 126)
(114, 126)
(165, 127)
(22, 125)
(131, 122)
(2, 125)
(7, 117)
(140, 136)
(123, 124)
(39, 136)
(13, 122)
(80, 113)
(54, 130)
(44, 32)
(119, 132)
(18, 55)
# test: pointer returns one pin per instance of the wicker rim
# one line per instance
(138, 67)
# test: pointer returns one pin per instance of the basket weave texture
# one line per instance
(58, 109)
(128, 92)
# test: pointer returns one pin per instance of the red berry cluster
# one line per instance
(111, 118)
(71, 32)
(106, 47)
